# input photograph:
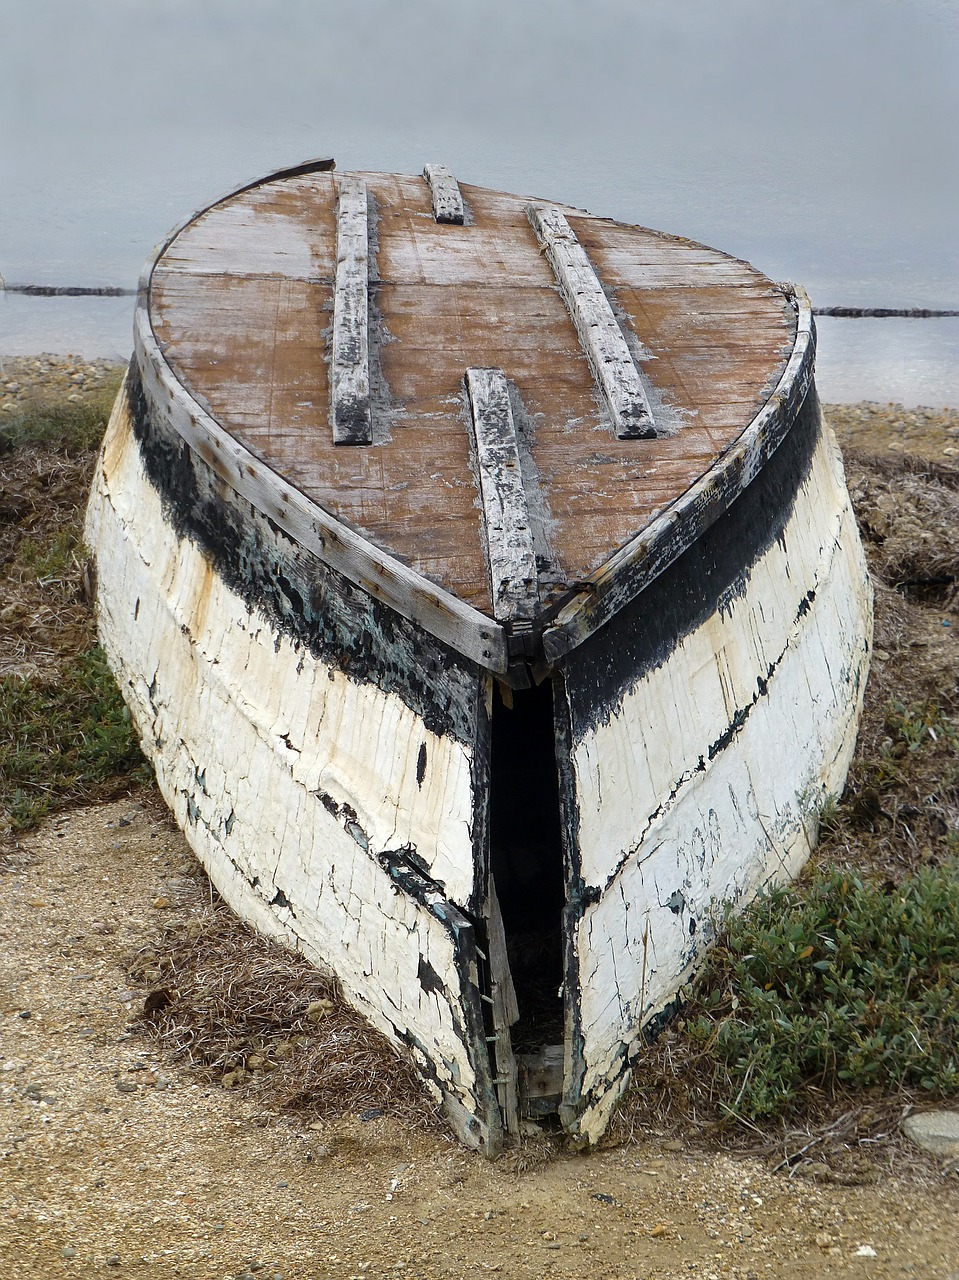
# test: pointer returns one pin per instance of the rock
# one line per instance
(126, 1086)
(866, 1251)
(935, 1131)
(68, 1252)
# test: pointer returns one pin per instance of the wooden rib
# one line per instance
(602, 339)
(512, 561)
(445, 191)
(350, 413)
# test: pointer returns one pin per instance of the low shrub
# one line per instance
(835, 984)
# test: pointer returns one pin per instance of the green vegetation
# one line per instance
(50, 558)
(62, 739)
(834, 984)
(73, 426)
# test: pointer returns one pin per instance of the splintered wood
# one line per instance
(350, 364)
(509, 538)
(601, 336)
(445, 191)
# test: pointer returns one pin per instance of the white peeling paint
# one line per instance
(248, 733)
(669, 835)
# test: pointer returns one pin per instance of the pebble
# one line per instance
(68, 1252)
(126, 1086)
(23, 379)
(935, 1131)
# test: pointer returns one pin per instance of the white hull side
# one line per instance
(668, 830)
(288, 777)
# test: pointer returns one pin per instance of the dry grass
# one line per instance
(245, 1012)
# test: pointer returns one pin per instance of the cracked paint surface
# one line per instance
(707, 779)
(294, 784)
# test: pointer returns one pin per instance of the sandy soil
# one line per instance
(116, 1160)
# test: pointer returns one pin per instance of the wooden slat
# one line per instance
(350, 412)
(509, 538)
(379, 574)
(601, 336)
(445, 191)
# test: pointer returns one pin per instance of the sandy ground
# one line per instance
(114, 1160)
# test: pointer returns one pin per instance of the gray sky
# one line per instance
(818, 140)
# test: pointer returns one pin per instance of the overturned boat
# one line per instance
(483, 584)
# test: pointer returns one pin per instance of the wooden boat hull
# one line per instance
(485, 669)
(699, 734)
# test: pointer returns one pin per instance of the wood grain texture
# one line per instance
(445, 194)
(506, 519)
(383, 577)
(246, 341)
(602, 339)
(350, 408)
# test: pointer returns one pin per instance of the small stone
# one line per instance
(162, 904)
(68, 1252)
(866, 1251)
(935, 1131)
(113, 1260)
(126, 1086)
(824, 1240)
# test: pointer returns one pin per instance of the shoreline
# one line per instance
(868, 426)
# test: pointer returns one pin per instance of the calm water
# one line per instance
(817, 141)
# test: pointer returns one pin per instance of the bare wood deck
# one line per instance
(242, 304)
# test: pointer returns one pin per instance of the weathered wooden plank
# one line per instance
(509, 538)
(599, 332)
(445, 192)
(655, 547)
(505, 1013)
(263, 752)
(382, 576)
(350, 410)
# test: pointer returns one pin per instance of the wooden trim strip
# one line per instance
(602, 339)
(642, 559)
(477, 637)
(509, 538)
(445, 192)
(350, 411)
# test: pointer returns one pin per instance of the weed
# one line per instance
(73, 426)
(836, 984)
(62, 739)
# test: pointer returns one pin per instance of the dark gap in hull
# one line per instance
(526, 859)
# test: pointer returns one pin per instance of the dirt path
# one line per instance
(115, 1162)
